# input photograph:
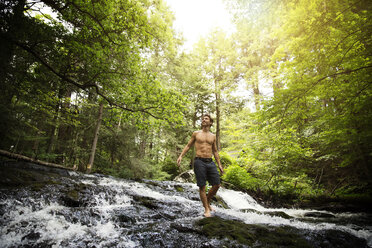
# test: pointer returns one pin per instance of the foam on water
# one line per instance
(238, 201)
(47, 221)
(143, 190)
(43, 221)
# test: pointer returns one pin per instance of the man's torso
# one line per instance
(204, 144)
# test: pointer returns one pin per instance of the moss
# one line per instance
(16, 177)
(279, 214)
(248, 234)
(75, 191)
(220, 202)
(146, 201)
(179, 188)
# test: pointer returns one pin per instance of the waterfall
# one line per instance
(79, 210)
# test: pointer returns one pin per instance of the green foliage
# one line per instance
(312, 137)
(307, 65)
(226, 159)
(169, 166)
(240, 177)
(58, 68)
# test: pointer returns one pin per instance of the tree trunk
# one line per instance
(194, 118)
(94, 145)
(142, 144)
(32, 160)
(256, 95)
(64, 129)
(16, 27)
(53, 130)
(218, 117)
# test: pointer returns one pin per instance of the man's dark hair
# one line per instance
(210, 118)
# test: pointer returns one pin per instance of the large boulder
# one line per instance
(186, 177)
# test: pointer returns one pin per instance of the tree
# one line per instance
(56, 66)
(317, 121)
(218, 69)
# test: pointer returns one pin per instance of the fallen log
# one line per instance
(32, 160)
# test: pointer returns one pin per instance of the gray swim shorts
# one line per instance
(205, 169)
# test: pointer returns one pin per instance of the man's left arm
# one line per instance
(217, 156)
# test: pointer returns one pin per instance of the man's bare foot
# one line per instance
(207, 214)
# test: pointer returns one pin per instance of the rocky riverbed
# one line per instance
(50, 207)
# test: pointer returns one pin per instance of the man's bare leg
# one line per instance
(204, 199)
(212, 192)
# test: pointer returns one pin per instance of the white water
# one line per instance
(47, 219)
(240, 201)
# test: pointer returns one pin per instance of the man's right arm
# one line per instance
(187, 147)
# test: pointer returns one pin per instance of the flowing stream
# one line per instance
(68, 209)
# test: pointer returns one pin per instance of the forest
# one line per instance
(106, 87)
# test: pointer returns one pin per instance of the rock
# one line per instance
(319, 215)
(186, 177)
(184, 228)
(179, 188)
(126, 219)
(146, 201)
(252, 235)
(32, 236)
(217, 200)
(278, 214)
(339, 239)
(250, 210)
(70, 202)
(72, 197)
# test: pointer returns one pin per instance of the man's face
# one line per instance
(206, 121)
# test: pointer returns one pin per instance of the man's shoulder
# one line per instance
(201, 131)
(213, 135)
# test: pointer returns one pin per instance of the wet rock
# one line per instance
(69, 201)
(339, 239)
(252, 235)
(179, 188)
(146, 201)
(319, 215)
(250, 210)
(217, 200)
(278, 214)
(184, 228)
(186, 177)
(109, 212)
(72, 196)
(32, 236)
(125, 219)
(17, 177)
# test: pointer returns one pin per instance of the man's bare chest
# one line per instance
(205, 138)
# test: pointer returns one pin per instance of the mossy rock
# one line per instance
(146, 201)
(250, 210)
(251, 235)
(179, 188)
(278, 214)
(220, 202)
(71, 197)
(319, 215)
(15, 177)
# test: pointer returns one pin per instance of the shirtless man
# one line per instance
(204, 167)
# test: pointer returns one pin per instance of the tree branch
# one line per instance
(349, 71)
(82, 86)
